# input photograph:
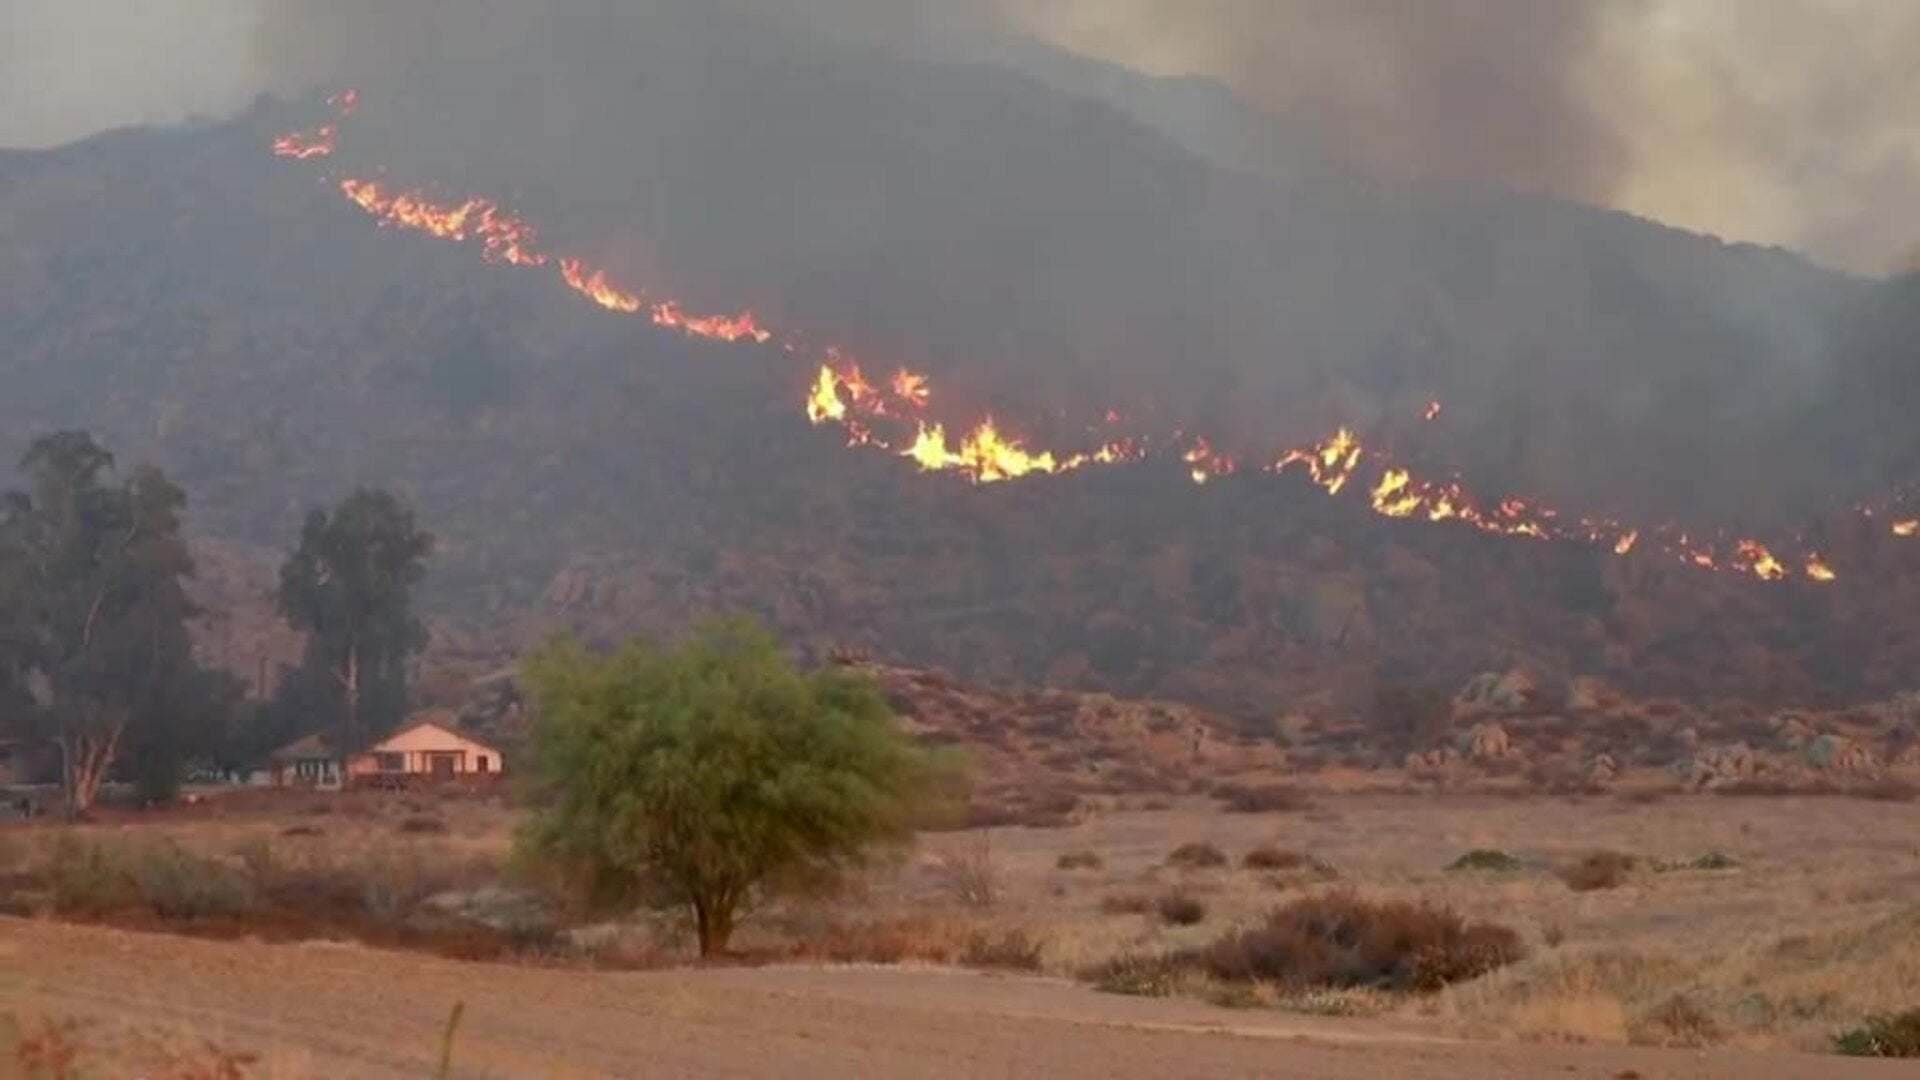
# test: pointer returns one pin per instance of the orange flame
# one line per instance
(1910, 527)
(840, 394)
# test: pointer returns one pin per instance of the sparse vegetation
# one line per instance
(1486, 859)
(1712, 860)
(1342, 940)
(1597, 870)
(1677, 1021)
(1079, 860)
(1261, 798)
(1267, 857)
(1126, 904)
(1889, 1035)
(1181, 909)
(1196, 856)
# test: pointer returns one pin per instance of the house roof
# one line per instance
(441, 722)
(305, 748)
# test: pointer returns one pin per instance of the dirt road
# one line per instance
(327, 1010)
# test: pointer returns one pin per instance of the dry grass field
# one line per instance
(1733, 923)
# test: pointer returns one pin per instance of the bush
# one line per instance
(1139, 976)
(1196, 857)
(1079, 860)
(422, 825)
(1487, 859)
(1008, 950)
(1599, 870)
(1180, 909)
(1677, 1021)
(1890, 1035)
(1340, 940)
(88, 878)
(1273, 858)
(177, 884)
(1260, 799)
(970, 876)
(1712, 860)
(1126, 904)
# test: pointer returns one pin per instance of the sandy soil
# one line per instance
(330, 1010)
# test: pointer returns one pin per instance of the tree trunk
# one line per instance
(350, 736)
(86, 760)
(714, 923)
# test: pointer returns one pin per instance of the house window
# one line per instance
(481, 764)
(391, 762)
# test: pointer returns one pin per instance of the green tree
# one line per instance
(94, 579)
(349, 587)
(713, 774)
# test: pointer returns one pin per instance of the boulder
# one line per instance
(1840, 754)
(1496, 692)
(1487, 742)
(1719, 766)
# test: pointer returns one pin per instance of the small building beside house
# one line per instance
(309, 761)
(429, 750)
(26, 762)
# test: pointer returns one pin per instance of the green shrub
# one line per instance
(1486, 859)
(178, 884)
(1889, 1035)
(88, 878)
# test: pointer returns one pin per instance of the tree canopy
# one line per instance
(94, 613)
(349, 586)
(713, 773)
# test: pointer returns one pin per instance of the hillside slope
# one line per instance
(202, 305)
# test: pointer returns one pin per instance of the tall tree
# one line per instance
(349, 587)
(96, 574)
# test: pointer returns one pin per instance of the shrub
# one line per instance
(1678, 1021)
(422, 825)
(1180, 909)
(1340, 940)
(1196, 856)
(1139, 976)
(1889, 1035)
(1598, 870)
(1712, 860)
(1487, 859)
(1126, 904)
(1260, 798)
(88, 878)
(177, 884)
(970, 876)
(1273, 858)
(1009, 950)
(1079, 860)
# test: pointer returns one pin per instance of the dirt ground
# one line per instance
(345, 1011)
(1802, 922)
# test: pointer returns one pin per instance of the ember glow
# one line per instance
(892, 416)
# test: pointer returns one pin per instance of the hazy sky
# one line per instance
(1781, 121)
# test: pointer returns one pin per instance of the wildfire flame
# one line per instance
(1910, 527)
(887, 417)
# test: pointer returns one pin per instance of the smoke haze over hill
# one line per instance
(1785, 121)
